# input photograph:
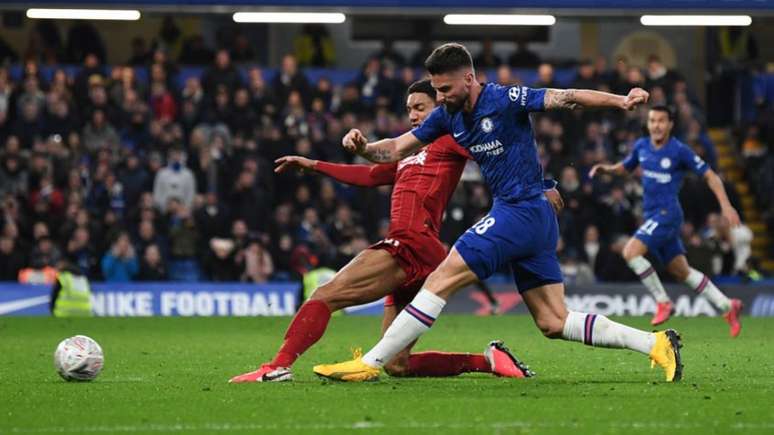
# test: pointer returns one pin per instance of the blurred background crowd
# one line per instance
(146, 171)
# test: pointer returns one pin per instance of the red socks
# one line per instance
(307, 326)
(438, 364)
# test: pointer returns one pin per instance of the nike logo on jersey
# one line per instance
(456, 135)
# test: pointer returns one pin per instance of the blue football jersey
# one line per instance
(662, 172)
(498, 134)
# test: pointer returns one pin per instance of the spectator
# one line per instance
(81, 253)
(91, 70)
(244, 118)
(147, 236)
(47, 201)
(162, 103)
(487, 57)
(288, 79)
(12, 259)
(221, 73)
(29, 126)
(221, 264)
(13, 176)
(125, 81)
(140, 53)
(258, 266)
(523, 57)
(659, 75)
(120, 263)
(98, 133)
(591, 245)
(152, 265)
(586, 78)
(174, 181)
(60, 120)
(243, 199)
(545, 76)
(45, 253)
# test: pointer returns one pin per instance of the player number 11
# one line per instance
(648, 227)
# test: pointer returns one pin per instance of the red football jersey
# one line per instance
(424, 183)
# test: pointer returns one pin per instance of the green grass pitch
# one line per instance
(169, 375)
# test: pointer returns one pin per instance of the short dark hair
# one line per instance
(447, 58)
(665, 109)
(422, 86)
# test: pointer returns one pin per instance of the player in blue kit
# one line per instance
(664, 160)
(492, 123)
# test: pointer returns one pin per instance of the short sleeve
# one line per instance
(632, 160)
(526, 99)
(689, 160)
(433, 127)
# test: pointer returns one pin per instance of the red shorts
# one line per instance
(418, 255)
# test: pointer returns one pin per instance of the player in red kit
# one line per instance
(397, 266)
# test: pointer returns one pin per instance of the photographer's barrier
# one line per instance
(282, 299)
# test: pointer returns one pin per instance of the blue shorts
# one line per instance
(523, 235)
(661, 234)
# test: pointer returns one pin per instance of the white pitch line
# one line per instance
(365, 425)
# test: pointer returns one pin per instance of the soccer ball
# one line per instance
(78, 358)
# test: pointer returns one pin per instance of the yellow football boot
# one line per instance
(666, 353)
(354, 370)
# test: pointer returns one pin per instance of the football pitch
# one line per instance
(170, 375)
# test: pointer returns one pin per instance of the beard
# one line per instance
(458, 103)
(454, 107)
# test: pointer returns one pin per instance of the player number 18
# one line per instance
(484, 224)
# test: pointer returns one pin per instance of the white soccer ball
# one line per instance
(78, 358)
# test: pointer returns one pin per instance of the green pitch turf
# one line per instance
(169, 375)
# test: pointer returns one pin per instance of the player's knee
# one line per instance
(332, 294)
(680, 274)
(629, 253)
(679, 271)
(551, 326)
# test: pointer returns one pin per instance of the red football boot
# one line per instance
(733, 315)
(266, 373)
(663, 311)
(504, 363)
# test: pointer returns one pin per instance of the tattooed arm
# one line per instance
(577, 98)
(383, 151)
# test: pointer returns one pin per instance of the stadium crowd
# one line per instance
(146, 180)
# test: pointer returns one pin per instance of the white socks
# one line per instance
(413, 321)
(701, 284)
(649, 278)
(696, 280)
(599, 331)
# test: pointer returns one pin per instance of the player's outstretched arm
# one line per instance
(356, 175)
(726, 209)
(603, 168)
(382, 151)
(577, 98)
